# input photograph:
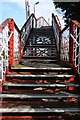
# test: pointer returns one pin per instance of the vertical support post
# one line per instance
(20, 48)
(11, 43)
(32, 21)
(60, 35)
(71, 44)
(35, 23)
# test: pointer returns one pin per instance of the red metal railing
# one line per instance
(68, 42)
(41, 22)
(10, 46)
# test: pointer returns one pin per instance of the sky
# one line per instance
(16, 9)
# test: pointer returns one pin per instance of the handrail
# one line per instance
(41, 22)
(56, 30)
(76, 23)
(11, 43)
(70, 44)
(4, 30)
(32, 15)
(58, 21)
(9, 34)
(27, 27)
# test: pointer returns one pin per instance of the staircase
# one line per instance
(41, 87)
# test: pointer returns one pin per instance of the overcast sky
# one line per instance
(16, 9)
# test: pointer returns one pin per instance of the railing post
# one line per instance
(32, 21)
(11, 43)
(71, 44)
(60, 45)
(20, 48)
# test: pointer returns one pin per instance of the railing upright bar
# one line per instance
(56, 31)
(71, 44)
(11, 43)
(26, 29)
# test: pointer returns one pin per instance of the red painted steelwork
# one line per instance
(71, 44)
(58, 20)
(11, 26)
(11, 43)
(11, 61)
(70, 26)
(76, 23)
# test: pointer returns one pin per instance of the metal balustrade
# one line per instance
(16, 44)
(56, 29)
(9, 46)
(27, 27)
(64, 47)
(4, 38)
(68, 42)
(71, 47)
(76, 38)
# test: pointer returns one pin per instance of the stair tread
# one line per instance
(41, 46)
(42, 57)
(33, 64)
(40, 84)
(29, 109)
(40, 68)
(49, 60)
(39, 95)
(31, 75)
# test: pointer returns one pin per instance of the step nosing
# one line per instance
(44, 68)
(29, 109)
(38, 96)
(40, 85)
(31, 75)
